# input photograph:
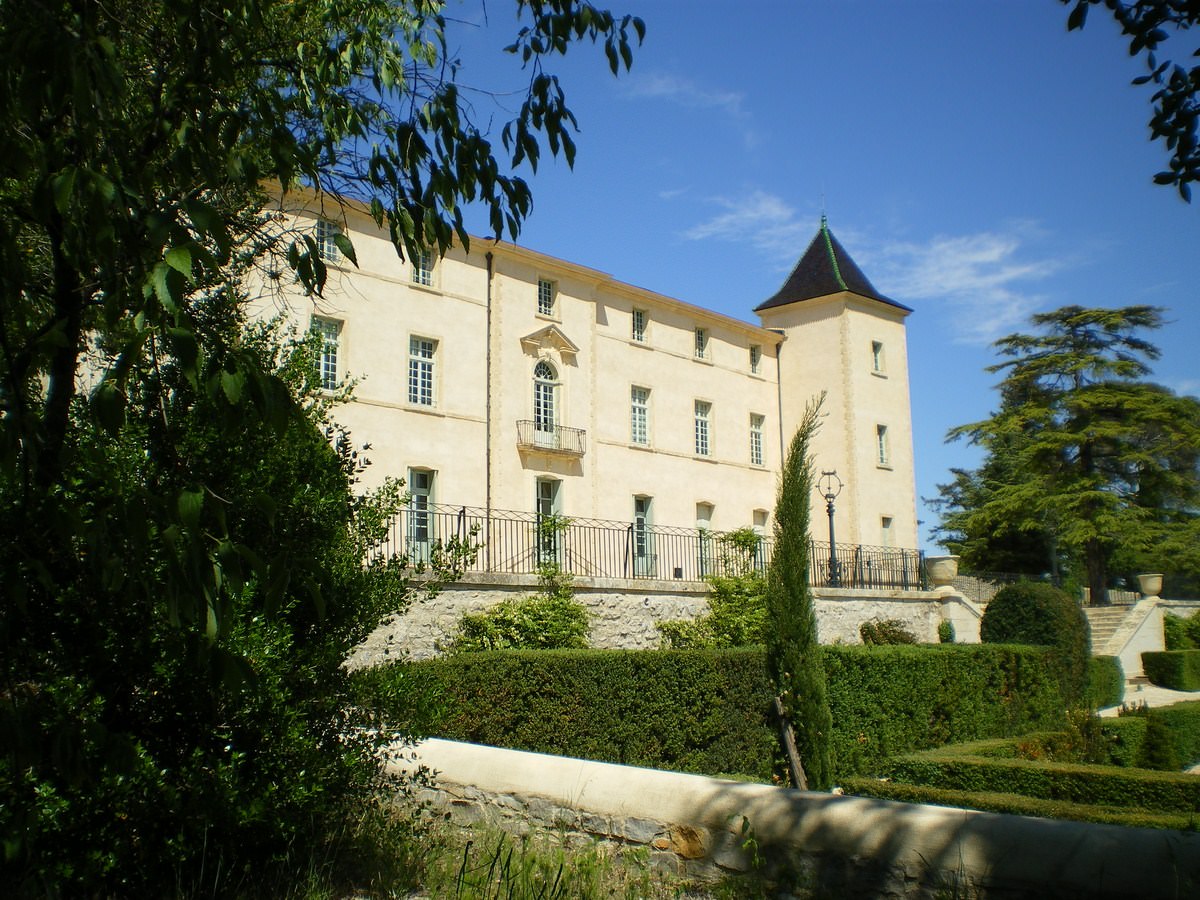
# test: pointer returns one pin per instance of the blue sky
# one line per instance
(977, 161)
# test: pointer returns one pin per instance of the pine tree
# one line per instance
(793, 654)
(1100, 463)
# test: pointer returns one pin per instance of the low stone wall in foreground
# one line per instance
(707, 828)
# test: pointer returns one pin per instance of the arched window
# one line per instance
(545, 388)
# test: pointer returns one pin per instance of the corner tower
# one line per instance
(845, 338)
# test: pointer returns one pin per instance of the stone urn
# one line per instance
(1150, 585)
(942, 570)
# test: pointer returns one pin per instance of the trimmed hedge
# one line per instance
(1031, 612)
(1175, 669)
(1105, 682)
(708, 711)
(1017, 804)
(1097, 785)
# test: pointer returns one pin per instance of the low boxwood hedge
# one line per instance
(1017, 804)
(1070, 782)
(1175, 669)
(708, 711)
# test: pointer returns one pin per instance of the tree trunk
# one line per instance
(1097, 573)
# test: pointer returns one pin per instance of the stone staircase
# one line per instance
(1104, 622)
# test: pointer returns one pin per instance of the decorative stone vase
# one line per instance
(1150, 585)
(942, 570)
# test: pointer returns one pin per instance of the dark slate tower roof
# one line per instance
(825, 268)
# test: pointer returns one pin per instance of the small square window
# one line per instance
(701, 343)
(547, 297)
(638, 332)
(422, 268)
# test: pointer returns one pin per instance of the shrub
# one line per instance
(532, 623)
(708, 711)
(885, 631)
(1181, 633)
(946, 631)
(737, 615)
(1175, 669)
(1106, 682)
(549, 620)
(1033, 613)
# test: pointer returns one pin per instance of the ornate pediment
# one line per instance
(550, 341)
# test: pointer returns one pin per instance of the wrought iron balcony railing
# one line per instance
(550, 438)
(517, 542)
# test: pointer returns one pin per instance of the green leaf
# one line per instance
(189, 504)
(180, 259)
(108, 404)
(345, 246)
(232, 384)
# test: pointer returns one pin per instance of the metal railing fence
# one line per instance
(515, 542)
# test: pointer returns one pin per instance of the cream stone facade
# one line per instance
(507, 379)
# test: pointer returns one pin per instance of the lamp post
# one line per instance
(830, 486)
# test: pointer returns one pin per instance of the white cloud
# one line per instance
(685, 92)
(758, 219)
(984, 281)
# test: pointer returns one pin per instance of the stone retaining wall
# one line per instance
(624, 613)
(852, 847)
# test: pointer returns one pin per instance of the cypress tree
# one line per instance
(793, 654)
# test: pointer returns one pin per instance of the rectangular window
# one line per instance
(327, 247)
(881, 444)
(420, 522)
(755, 358)
(422, 268)
(756, 440)
(703, 411)
(548, 502)
(329, 334)
(701, 343)
(639, 415)
(885, 531)
(547, 294)
(421, 352)
(877, 357)
(643, 552)
(639, 326)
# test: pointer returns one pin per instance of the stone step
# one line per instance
(1104, 622)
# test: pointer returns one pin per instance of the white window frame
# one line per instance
(639, 415)
(422, 268)
(326, 234)
(637, 327)
(329, 333)
(755, 359)
(756, 438)
(547, 297)
(422, 359)
(701, 349)
(702, 410)
(545, 401)
(882, 450)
